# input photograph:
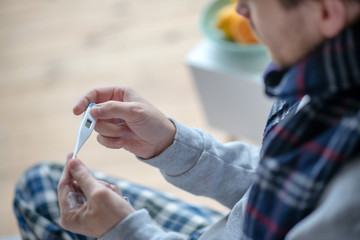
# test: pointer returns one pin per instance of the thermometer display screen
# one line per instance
(88, 123)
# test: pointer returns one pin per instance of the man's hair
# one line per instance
(294, 3)
(290, 3)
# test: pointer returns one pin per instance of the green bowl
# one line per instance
(208, 27)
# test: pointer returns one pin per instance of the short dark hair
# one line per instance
(294, 3)
(290, 3)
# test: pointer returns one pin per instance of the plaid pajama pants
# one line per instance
(37, 210)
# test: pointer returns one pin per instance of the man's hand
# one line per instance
(104, 208)
(126, 120)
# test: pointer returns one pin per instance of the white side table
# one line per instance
(231, 90)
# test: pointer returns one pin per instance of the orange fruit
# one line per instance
(241, 31)
(224, 18)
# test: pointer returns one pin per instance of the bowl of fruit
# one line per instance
(228, 30)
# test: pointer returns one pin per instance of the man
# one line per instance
(302, 184)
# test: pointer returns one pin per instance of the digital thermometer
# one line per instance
(85, 129)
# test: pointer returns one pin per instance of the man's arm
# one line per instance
(199, 164)
(139, 226)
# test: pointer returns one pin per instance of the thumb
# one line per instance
(82, 175)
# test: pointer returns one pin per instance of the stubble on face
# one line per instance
(286, 32)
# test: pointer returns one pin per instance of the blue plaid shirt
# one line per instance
(302, 151)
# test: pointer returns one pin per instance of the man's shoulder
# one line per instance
(337, 214)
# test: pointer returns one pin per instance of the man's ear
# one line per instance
(332, 17)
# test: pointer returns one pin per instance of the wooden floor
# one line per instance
(52, 52)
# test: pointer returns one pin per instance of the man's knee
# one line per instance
(38, 178)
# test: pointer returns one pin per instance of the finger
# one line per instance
(66, 177)
(109, 129)
(98, 95)
(106, 184)
(119, 142)
(65, 184)
(115, 189)
(76, 186)
(111, 186)
(83, 177)
(110, 142)
(129, 111)
(118, 121)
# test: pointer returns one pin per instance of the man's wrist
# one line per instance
(170, 130)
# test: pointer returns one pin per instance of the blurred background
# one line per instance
(53, 51)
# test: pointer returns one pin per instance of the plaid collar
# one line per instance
(303, 151)
(331, 68)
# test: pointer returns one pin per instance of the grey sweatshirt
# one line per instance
(225, 172)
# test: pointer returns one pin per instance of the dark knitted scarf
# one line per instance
(304, 149)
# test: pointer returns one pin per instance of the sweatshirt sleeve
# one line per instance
(198, 163)
(139, 226)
